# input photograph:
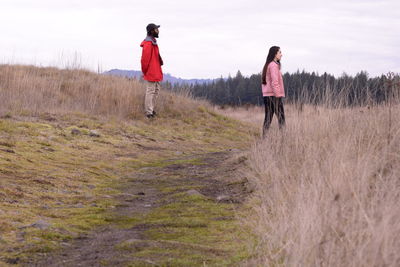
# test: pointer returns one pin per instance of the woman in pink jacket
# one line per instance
(273, 89)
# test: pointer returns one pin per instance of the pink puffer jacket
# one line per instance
(274, 86)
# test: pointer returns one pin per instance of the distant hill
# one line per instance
(167, 77)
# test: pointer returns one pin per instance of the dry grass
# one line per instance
(33, 90)
(328, 187)
(253, 115)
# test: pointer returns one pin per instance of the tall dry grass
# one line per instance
(32, 90)
(328, 188)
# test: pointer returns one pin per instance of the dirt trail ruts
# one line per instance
(213, 175)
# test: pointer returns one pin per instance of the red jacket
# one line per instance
(151, 60)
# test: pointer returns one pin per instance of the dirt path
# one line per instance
(178, 212)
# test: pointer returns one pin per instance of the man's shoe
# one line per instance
(154, 113)
(149, 116)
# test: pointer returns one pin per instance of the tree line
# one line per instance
(300, 87)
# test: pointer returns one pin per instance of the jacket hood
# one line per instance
(149, 39)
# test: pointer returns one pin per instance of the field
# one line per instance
(87, 179)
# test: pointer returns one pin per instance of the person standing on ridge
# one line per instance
(272, 88)
(151, 62)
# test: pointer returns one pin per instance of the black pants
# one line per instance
(273, 105)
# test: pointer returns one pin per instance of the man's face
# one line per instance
(155, 33)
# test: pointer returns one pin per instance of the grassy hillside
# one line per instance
(70, 138)
(31, 90)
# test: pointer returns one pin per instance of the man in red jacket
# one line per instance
(151, 67)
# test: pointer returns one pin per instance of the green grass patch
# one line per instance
(190, 232)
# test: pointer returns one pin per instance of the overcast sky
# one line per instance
(204, 39)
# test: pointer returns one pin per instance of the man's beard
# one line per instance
(155, 35)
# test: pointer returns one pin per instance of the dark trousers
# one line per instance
(273, 105)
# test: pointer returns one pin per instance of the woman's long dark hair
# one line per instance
(271, 55)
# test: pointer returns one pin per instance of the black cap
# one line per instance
(151, 27)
